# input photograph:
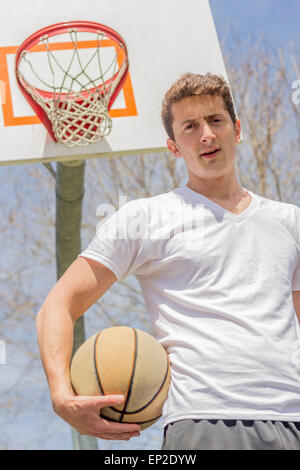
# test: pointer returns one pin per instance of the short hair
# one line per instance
(191, 84)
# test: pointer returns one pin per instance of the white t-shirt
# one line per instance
(218, 288)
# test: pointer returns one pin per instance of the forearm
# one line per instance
(55, 335)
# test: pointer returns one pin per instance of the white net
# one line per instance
(73, 83)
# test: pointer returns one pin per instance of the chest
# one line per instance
(225, 253)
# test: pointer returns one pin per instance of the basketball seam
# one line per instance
(95, 364)
(135, 422)
(154, 396)
(74, 390)
(123, 412)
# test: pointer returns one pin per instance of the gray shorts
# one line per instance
(220, 434)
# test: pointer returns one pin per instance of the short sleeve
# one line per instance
(296, 275)
(117, 243)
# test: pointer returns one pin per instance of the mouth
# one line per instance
(211, 154)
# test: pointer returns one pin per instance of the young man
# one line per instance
(219, 269)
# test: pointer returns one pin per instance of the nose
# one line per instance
(207, 134)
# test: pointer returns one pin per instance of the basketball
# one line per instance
(124, 361)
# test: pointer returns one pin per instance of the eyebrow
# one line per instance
(209, 116)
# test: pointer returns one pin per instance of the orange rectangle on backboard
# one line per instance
(9, 119)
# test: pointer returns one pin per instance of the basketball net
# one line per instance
(77, 107)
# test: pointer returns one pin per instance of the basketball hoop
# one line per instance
(72, 84)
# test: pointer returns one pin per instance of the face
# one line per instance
(205, 137)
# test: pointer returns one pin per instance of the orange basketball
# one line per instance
(124, 361)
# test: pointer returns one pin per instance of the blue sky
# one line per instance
(276, 20)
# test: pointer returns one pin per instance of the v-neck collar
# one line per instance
(236, 217)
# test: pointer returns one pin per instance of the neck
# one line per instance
(223, 188)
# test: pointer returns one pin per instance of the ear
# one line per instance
(238, 132)
(173, 148)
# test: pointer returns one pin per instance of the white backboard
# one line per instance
(165, 39)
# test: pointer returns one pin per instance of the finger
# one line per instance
(100, 401)
(110, 437)
(116, 437)
(123, 435)
(118, 428)
(98, 426)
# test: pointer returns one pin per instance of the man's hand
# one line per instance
(83, 414)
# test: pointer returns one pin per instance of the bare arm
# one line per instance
(77, 290)
(296, 300)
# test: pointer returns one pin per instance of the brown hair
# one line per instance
(192, 84)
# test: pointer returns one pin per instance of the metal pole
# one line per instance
(69, 197)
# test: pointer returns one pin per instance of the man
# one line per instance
(219, 269)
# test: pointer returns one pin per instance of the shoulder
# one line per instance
(286, 214)
(143, 211)
(278, 207)
(161, 201)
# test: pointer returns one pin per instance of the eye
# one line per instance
(189, 127)
(217, 120)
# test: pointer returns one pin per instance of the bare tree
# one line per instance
(261, 80)
(28, 271)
